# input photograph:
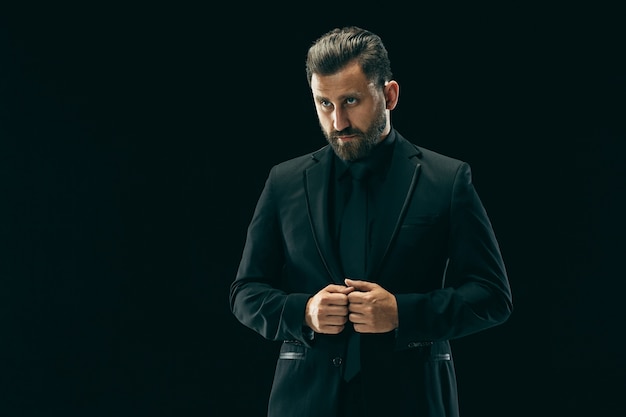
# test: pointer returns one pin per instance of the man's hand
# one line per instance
(372, 308)
(327, 311)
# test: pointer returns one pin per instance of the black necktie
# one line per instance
(352, 247)
(352, 238)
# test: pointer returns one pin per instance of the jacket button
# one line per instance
(337, 361)
(419, 344)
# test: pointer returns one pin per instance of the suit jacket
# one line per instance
(435, 251)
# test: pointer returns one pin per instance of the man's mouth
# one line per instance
(347, 138)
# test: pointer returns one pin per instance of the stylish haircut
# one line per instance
(339, 47)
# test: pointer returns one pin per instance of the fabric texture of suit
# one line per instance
(435, 250)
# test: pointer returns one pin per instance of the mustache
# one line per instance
(348, 131)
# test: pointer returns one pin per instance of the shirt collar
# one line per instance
(378, 160)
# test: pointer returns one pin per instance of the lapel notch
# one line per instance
(316, 180)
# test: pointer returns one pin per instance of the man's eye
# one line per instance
(325, 103)
(351, 100)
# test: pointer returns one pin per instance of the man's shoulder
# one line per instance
(438, 157)
(301, 162)
(429, 156)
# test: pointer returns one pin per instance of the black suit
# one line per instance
(434, 249)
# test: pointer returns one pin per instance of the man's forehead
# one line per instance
(347, 82)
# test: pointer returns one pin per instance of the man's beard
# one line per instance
(361, 146)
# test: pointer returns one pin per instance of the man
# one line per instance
(369, 338)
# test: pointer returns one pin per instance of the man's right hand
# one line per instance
(327, 311)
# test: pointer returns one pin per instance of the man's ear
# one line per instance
(392, 92)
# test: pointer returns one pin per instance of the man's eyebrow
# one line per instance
(319, 97)
(342, 97)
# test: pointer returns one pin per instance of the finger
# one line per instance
(336, 310)
(359, 284)
(346, 290)
(355, 298)
(336, 288)
(331, 329)
(357, 319)
(336, 299)
(332, 320)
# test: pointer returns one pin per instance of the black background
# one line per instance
(134, 142)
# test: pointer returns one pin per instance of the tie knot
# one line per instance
(359, 171)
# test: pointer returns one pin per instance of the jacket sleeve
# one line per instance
(476, 293)
(256, 299)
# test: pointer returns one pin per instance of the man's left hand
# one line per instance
(372, 308)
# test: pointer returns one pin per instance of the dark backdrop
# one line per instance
(134, 142)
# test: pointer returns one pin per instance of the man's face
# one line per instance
(351, 111)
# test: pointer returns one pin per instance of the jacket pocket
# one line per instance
(292, 350)
(422, 232)
(441, 357)
(440, 352)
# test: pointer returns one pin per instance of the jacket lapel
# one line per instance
(316, 181)
(399, 186)
(396, 194)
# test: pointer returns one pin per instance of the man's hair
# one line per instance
(339, 47)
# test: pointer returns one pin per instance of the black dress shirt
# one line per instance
(378, 163)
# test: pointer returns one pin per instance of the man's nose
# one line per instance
(340, 119)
